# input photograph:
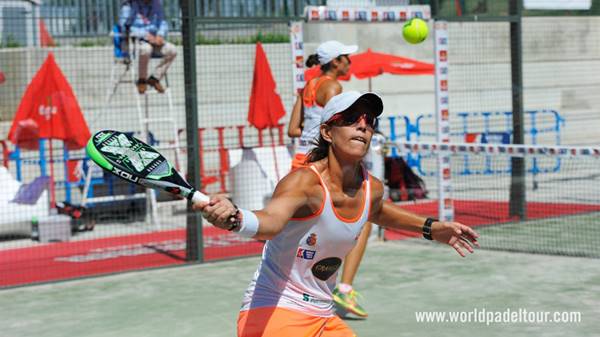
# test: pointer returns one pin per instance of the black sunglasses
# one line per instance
(348, 118)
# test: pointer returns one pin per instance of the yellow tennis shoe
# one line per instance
(349, 302)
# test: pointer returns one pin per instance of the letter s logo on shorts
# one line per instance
(325, 268)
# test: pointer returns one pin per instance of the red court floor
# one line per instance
(64, 260)
(73, 259)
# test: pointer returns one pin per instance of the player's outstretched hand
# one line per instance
(456, 235)
(219, 211)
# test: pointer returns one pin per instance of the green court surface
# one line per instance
(571, 235)
(397, 280)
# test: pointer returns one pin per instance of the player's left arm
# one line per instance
(385, 213)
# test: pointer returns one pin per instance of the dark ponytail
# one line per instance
(312, 60)
(319, 152)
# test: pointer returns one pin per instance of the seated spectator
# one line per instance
(144, 20)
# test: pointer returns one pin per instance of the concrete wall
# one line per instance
(225, 75)
(224, 83)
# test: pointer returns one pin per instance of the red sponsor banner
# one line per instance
(444, 85)
(345, 15)
(374, 15)
(445, 114)
(314, 14)
(446, 173)
(443, 56)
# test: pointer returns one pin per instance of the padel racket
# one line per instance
(137, 162)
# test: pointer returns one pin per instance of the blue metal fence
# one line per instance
(481, 127)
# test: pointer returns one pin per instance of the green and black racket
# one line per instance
(137, 162)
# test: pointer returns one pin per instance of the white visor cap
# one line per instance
(345, 100)
(329, 50)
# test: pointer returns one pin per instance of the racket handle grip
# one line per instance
(199, 197)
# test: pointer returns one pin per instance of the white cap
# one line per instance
(345, 100)
(329, 50)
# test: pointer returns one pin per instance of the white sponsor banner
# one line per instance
(367, 14)
(445, 206)
(558, 4)
(297, 40)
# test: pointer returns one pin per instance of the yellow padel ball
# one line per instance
(415, 31)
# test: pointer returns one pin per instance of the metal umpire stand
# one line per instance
(123, 71)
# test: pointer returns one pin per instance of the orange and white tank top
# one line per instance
(312, 114)
(298, 270)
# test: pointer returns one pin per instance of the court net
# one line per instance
(557, 212)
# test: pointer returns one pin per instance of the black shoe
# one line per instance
(141, 85)
(153, 81)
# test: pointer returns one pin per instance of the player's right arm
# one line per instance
(296, 192)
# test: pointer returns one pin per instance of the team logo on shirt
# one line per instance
(306, 254)
(311, 240)
(325, 268)
(311, 299)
